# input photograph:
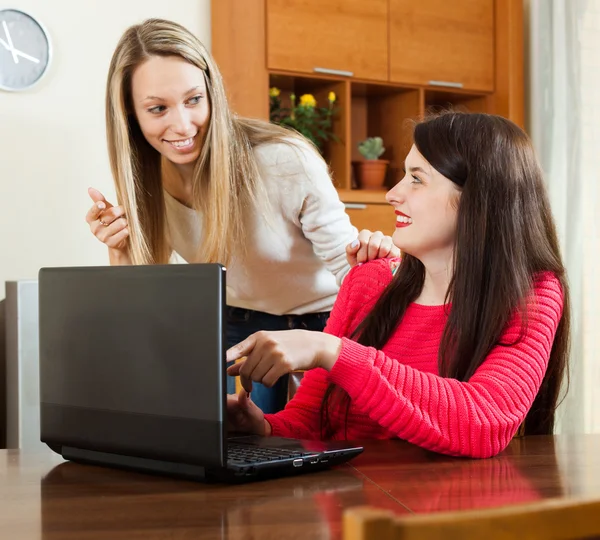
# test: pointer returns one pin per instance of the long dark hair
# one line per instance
(505, 236)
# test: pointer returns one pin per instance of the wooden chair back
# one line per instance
(542, 520)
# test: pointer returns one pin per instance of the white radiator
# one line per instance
(22, 366)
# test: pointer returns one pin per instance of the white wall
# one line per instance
(52, 137)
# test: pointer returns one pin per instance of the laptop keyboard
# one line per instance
(244, 453)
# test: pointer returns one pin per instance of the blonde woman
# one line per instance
(197, 183)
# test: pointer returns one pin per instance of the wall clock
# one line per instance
(25, 50)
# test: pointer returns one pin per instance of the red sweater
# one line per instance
(397, 392)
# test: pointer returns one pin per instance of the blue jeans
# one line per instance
(243, 322)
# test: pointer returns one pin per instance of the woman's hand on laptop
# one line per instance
(244, 416)
(270, 355)
(108, 224)
(369, 246)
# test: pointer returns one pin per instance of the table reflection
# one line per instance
(96, 502)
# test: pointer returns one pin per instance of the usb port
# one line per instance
(297, 463)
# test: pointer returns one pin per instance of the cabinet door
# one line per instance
(346, 36)
(375, 217)
(436, 42)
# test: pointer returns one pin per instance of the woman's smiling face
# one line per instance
(172, 108)
(426, 205)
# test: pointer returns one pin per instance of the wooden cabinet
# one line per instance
(442, 42)
(238, 44)
(375, 217)
(343, 37)
(477, 44)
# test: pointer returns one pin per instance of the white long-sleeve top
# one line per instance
(296, 258)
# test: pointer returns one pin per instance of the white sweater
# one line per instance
(296, 259)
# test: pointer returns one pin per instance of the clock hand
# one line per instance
(10, 47)
(15, 52)
(26, 56)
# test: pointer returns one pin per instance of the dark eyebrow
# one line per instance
(193, 89)
(412, 170)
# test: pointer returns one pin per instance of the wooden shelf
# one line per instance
(388, 112)
(363, 196)
(438, 100)
(392, 51)
(337, 154)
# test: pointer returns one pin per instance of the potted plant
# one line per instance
(312, 121)
(370, 173)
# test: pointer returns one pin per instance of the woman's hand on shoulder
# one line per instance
(369, 246)
(109, 225)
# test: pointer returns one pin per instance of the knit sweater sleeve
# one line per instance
(476, 418)
(316, 207)
(301, 416)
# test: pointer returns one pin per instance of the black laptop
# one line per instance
(132, 375)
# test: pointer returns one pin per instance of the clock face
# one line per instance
(24, 50)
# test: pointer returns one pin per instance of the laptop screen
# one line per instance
(132, 360)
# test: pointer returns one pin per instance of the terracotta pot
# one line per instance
(370, 174)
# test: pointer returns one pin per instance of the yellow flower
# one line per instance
(308, 100)
(331, 97)
(274, 91)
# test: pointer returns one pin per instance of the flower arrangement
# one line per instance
(314, 122)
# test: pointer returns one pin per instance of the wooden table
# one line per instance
(41, 496)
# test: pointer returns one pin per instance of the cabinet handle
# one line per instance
(446, 83)
(328, 71)
(355, 206)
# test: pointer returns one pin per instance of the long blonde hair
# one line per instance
(226, 180)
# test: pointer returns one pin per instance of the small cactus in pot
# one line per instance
(370, 173)
(371, 148)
